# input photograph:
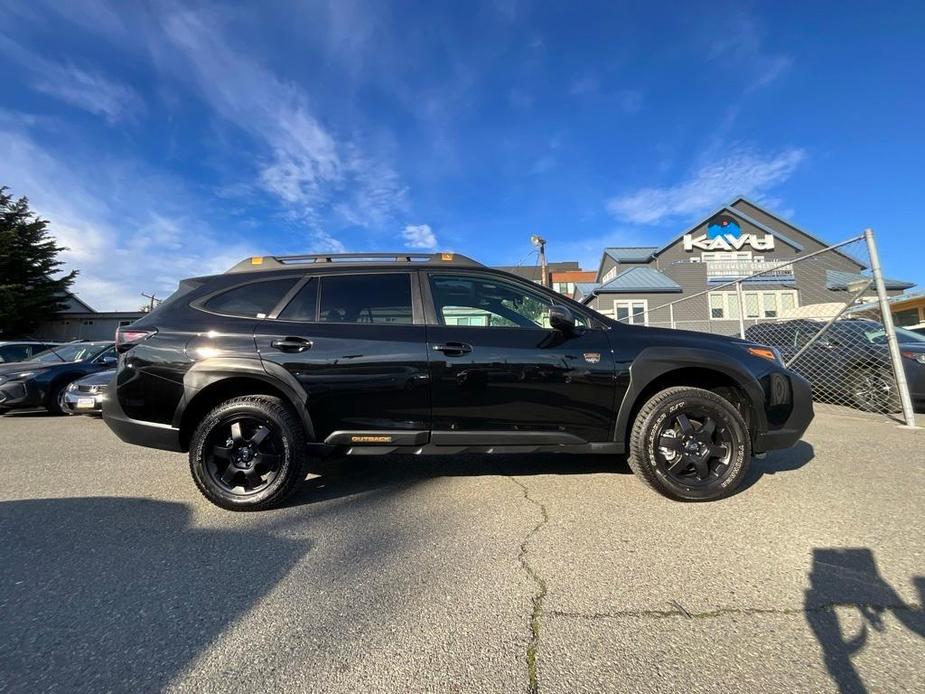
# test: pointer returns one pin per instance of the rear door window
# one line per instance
(251, 300)
(304, 305)
(367, 298)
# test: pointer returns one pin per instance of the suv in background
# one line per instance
(849, 362)
(281, 359)
(21, 350)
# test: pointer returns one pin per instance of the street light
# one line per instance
(540, 243)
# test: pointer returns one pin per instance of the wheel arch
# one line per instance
(213, 381)
(658, 368)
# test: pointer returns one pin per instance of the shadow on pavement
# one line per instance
(784, 460)
(341, 476)
(121, 594)
(850, 578)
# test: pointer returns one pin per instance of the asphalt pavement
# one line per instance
(475, 574)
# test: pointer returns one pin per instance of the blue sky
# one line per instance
(167, 140)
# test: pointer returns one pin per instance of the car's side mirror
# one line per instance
(561, 319)
(109, 361)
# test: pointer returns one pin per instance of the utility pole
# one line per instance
(152, 298)
(540, 243)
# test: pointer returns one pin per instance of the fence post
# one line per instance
(671, 313)
(741, 309)
(886, 318)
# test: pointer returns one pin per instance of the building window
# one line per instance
(633, 311)
(764, 304)
(609, 275)
(717, 306)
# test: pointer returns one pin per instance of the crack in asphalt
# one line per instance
(540, 595)
(679, 611)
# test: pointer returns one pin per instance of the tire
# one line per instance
(54, 401)
(873, 389)
(254, 467)
(693, 464)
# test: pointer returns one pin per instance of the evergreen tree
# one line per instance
(28, 259)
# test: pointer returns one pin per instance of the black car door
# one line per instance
(356, 344)
(500, 375)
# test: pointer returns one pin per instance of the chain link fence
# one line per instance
(821, 311)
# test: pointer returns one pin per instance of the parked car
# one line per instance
(86, 395)
(282, 359)
(21, 350)
(42, 381)
(850, 362)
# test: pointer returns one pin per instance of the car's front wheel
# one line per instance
(248, 453)
(690, 444)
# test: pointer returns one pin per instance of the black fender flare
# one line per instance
(210, 371)
(653, 362)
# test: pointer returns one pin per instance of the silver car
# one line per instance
(86, 395)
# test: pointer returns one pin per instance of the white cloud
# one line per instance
(90, 91)
(82, 88)
(742, 171)
(739, 43)
(305, 165)
(106, 220)
(419, 236)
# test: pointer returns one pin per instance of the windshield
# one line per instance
(75, 352)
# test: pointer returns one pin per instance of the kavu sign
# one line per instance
(724, 234)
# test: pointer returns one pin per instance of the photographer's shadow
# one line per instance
(850, 578)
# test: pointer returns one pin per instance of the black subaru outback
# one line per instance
(283, 359)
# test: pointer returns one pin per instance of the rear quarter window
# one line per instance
(251, 300)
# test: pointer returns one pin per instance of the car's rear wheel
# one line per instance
(690, 444)
(873, 389)
(248, 453)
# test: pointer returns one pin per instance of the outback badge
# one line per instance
(592, 357)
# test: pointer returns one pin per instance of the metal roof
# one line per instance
(839, 279)
(631, 254)
(639, 279)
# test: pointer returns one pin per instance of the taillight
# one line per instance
(128, 337)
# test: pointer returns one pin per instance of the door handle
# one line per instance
(453, 349)
(291, 344)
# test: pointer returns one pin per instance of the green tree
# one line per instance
(28, 259)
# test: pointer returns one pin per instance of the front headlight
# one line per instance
(71, 387)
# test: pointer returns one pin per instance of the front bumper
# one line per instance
(17, 395)
(150, 434)
(76, 402)
(796, 424)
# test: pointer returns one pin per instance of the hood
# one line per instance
(20, 366)
(673, 334)
(100, 378)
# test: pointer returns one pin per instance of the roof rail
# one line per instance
(275, 262)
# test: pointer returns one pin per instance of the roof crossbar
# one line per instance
(273, 262)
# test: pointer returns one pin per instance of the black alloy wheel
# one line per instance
(690, 444)
(248, 453)
(243, 454)
(692, 449)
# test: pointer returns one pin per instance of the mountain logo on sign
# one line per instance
(725, 234)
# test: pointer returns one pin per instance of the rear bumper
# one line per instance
(796, 424)
(135, 431)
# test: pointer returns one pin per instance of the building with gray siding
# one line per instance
(638, 284)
